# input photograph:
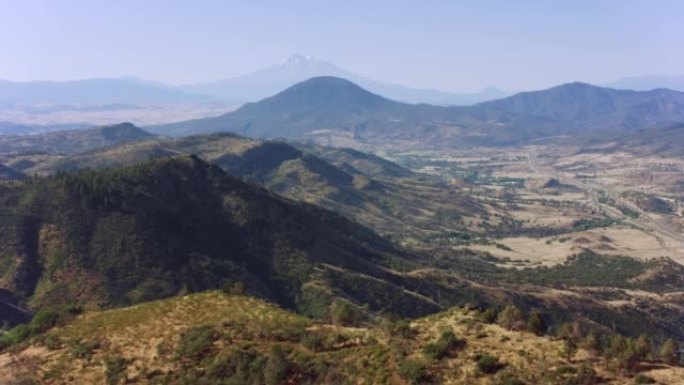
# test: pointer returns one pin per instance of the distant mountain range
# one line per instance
(335, 111)
(254, 86)
(95, 92)
(648, 82)
(247, 88)
(595, 109)
(297, 68)
(665, 140)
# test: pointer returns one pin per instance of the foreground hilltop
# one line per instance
(213, 338)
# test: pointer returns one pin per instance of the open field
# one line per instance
(564, 201)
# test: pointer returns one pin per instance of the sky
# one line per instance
(447, 45)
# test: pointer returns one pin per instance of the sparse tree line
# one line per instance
(622, 352)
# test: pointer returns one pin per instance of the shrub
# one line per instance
(643, 347)
(616, 345)
(52, 342)
(591, 343)
(16, 335)
(508, 379)
(343, 313)
(398, 328)
(511, 318)
(669, 352)
(115, 369)
(48, 318)
(445, 346)
(277, 366)
(489, 316)
(535, 323)
(196, 342)
(488, 364)
(569, 375)
(237, 366)
(628, 358)
(644, 379)
(569, 348)
(42, 321)
(411, 370)
(586, 375)
(83, 350)
(313, 342)
(24, 378)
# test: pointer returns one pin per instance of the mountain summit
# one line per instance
(297, 60)
(594, 107)
(334, 111)
(319, 103)
(297, 68)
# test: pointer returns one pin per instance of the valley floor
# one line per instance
(552, 187)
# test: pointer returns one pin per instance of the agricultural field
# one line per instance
(565, 201)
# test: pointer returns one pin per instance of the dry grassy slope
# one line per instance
(147, 335)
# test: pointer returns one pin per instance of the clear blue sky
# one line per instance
(449, 45)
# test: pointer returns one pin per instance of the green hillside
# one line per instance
(377, 193)
(175, 225)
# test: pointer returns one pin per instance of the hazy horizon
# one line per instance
(440, 45)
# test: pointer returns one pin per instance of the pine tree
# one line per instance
(669, 352)
(511, 318)
(643, 348)
(569, 348)
(535, 323)
(592, 343)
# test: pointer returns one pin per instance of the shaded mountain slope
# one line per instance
(377, 193)
(655, 141)
(332, 110)
(124, 236)
(596, 108)
(9, 173)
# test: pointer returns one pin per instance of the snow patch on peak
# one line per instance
(298, 60)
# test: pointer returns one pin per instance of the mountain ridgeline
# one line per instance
(334, 111)
(115, 237)
(374, 191)
(72, 141)
(177, 224)
(297, 68)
